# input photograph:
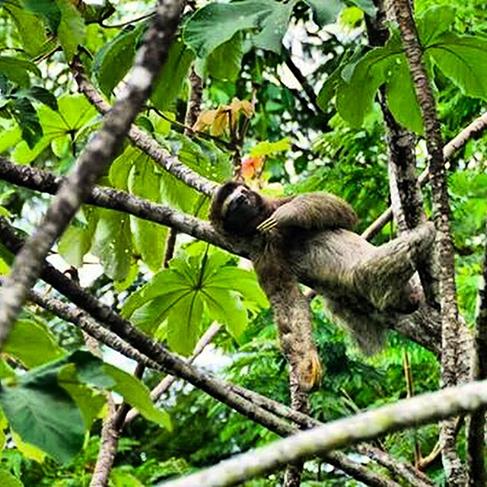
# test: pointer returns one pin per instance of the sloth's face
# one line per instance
(241, 211)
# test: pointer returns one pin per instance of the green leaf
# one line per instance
(149, 237)
(266, 148)
(401, 98)
(8, 480)
(325, 12)
(71, 31)
(463, 59)
(26, 116)
(224, 62)
(113, 243)
(216, 23)
(29, 451)
(165, 282)
(48, 9)
(172, 76)
(274, 27)
(94, 372)
(115, 58)
(434, 22)
(137, 395)
(226, 308)
(43, 414)
(150, 316)
(90, 402)
(355, 98)
(44, 96)
(184, 323)
(17, 70)
(122, 165)
(32, 344)
(76, 242)
(240, 280)
(31, 31)
(10, 138)
(74, 112)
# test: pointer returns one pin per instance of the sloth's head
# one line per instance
(236, 209)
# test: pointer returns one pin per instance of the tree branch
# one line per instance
(94, 160)
(422, 409)
(114, 199)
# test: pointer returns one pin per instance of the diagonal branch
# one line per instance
(115, 199)
(422, 409)
(94, 160)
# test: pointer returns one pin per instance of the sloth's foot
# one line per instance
(309, 371)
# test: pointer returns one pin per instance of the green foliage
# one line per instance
(172, 76)
(113, 60)
(43, 406)
(32, 343)
(197, 288)
(199, 32)
(54, 408)
(459, 57)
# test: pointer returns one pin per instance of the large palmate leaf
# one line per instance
(401, 97)
(196, 289)
(59, 127)
(356, 97)
(461, 58)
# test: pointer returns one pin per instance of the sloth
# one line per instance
(308, 239)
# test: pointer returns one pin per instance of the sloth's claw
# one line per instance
(267, 225)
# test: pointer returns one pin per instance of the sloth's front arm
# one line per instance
(312, 211)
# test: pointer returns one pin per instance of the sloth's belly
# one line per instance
(327, 258)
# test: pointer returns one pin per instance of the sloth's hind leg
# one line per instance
(384, 277)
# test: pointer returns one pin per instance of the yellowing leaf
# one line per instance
(205, 119)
